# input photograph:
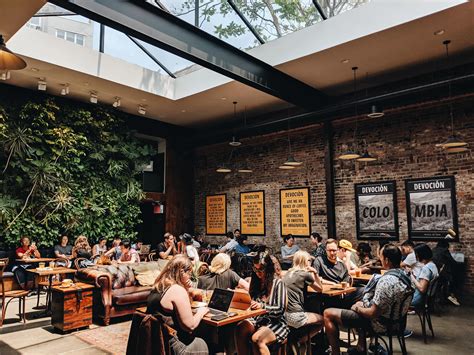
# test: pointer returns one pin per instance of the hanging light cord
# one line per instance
(354, 69)
(446, 43)
(289, 142)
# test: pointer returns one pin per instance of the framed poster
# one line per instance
(432, 208)
(295, 216)
(252, 212)
(216, 214)
(376, 210)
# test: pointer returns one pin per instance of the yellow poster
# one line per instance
(216, 214)
(252, 213)
(295, 212)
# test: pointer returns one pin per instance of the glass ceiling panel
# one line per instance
(216, 17)
(84, 32)
(335, 7)
(274, 19)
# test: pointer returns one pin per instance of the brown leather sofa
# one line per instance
(118, 291)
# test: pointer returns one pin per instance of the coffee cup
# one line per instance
(51, 264)
(41, 265)
(344, 284)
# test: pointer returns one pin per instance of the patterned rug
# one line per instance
(112, 338)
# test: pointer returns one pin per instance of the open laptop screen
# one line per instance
(221, 299)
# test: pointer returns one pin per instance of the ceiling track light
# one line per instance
(42, 84)
(117, 102)
(8, 59)
(5, 75)
(65, 90)
(142, 109)
(93, 97)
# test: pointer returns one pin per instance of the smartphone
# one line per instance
(219, 317)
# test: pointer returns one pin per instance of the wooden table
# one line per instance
(72, 306)
(241, 315)
(334, 290)
(34, 260)
(364, 278)
(50, 273)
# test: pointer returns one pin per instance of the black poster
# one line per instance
(376, 211)
(431, 208)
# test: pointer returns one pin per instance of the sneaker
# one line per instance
(454, 300)
(377, 349)
(407, 333)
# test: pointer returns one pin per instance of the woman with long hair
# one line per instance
(81, 248)
(268, 292)
(221, 276)
(170, 299)
(297, 279)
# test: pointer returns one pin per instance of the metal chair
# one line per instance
(153, 256)
(13, 294)
(424, 312)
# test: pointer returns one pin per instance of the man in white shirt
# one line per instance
(230, 245)
(410, 262)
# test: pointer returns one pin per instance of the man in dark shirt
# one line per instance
(167, 249)
(451, 275)
(333, 272)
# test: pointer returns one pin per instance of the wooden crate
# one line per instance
(72, 307)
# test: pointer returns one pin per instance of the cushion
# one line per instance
(122, 275)
(147, 278)
(131, 295)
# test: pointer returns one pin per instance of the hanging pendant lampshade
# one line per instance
(457, 149)
(375, 112)
(349, 155)
(453, 141)
(366, 157)
(244, 168)
(8, 59)
(235, 143)
(223, 169)
(286, 167)
(291, 161)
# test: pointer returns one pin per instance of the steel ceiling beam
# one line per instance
(157, 27)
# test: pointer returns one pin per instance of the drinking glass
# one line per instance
(41, 265)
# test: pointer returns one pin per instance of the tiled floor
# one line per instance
(454, 332)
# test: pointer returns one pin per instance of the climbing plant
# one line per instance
(67, 167)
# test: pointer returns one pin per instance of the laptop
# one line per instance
(220, 301)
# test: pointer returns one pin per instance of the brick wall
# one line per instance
(404, 140)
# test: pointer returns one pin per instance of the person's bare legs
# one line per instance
(243, 332)
(332, 318)
(315, 323)
(260, 339)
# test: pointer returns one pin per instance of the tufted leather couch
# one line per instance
(118, 292)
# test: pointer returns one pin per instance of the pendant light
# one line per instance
(290, 162)
(8, 59)
(375, 112)
(366, 157)
(234, 142)
(352, 154)
(245, 169)
(453, 141)
(225, 167)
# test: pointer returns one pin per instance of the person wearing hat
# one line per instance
(346, 254)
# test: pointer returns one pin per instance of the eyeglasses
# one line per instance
(332, 250)
(258, 269)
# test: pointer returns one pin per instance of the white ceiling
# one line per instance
(371, 39)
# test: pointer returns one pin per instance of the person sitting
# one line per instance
(190, 250)
(167, 248)
(128, 254)
(346, 255)
(63, 249)
(170, 300)
(268, 292)
(115, 252)
(230, 245)
(428, 272)
(241, 248)
(25, 251)
(410, 263)
(391, 290)
(443, 258)
(81, 248)
(319, 249)
(100, 248)
(333, 272)
(297, 279)
(288, 251)
(137, 245)
(221, 276)
(202, 242)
